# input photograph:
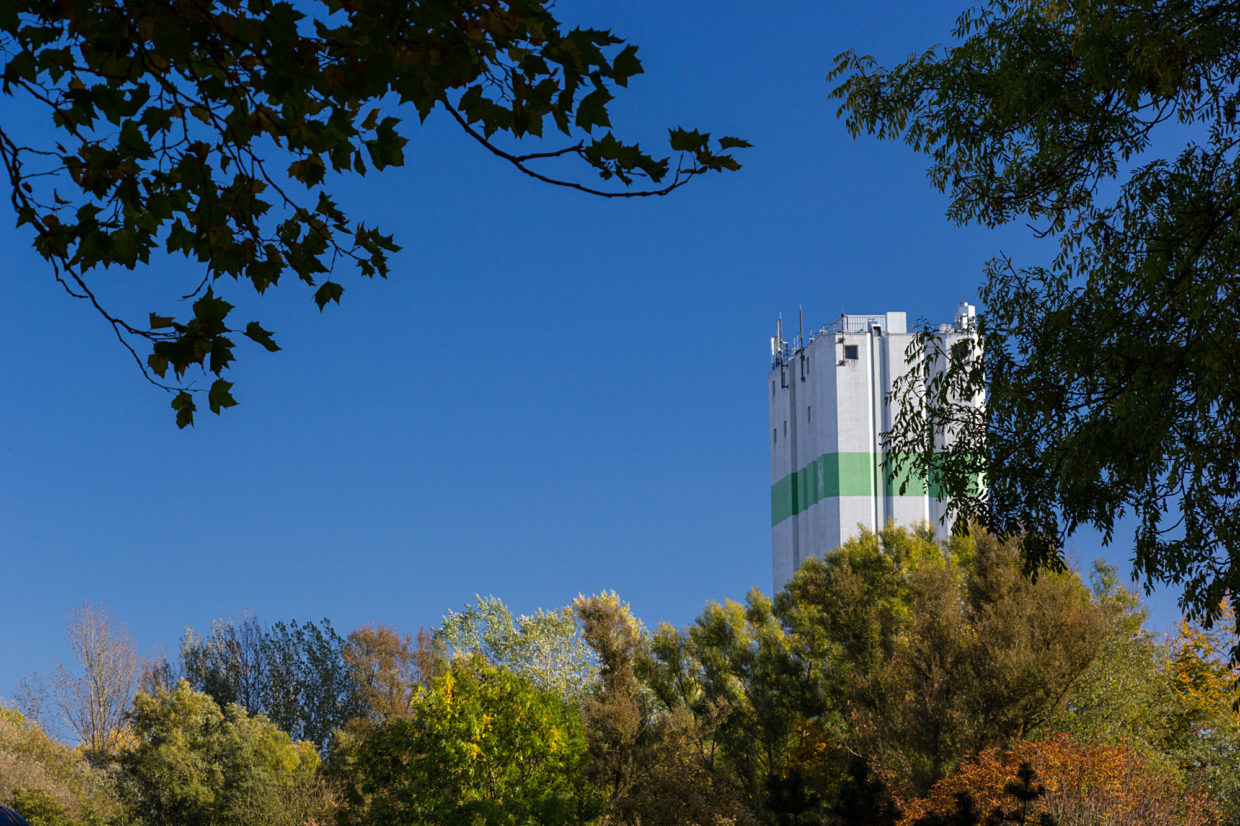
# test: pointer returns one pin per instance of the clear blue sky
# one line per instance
(552, 394)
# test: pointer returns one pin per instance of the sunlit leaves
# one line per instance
(479, 745)
(545, 647)
(929, 653)
(196, 763)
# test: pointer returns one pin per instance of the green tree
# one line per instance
(209, 130)
(736, 670)
(1108, 373)
(481, 745)
(1170, 702)
(293, 672)
(652, 757)
(310, 690)
(229, 664)
(546, 646)
(194, 763)
(1125, 695)
(926, 653)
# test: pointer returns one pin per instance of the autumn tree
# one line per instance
(213, 131)
(893, 648)
(1084, 785)
(1108, 372)
(618, 717)
(94, 695)
(1203, 732)
(1171, 702)
(1125, 695)
(386, 667)
(49, 782)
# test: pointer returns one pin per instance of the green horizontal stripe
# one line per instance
(830, 475)
(837, 474)
(843, 474)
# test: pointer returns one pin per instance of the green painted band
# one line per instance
(838, 474)
(849, 474)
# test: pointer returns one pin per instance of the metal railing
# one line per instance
(853, 324)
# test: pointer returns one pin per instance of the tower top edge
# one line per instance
(848, 323)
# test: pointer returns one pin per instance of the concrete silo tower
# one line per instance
(829, 405)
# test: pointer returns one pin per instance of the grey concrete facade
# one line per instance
(829, 405)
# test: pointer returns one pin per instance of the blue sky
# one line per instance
(552, 394)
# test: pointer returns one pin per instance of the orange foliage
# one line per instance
(1085, 785)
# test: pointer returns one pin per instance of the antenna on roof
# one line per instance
(801, 326)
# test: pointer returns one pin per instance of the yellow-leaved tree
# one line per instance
(1205, 722)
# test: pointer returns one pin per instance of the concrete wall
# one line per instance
(827, 412)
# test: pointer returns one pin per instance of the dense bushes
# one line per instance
(47, 781)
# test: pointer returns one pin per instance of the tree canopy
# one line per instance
(545, 647)
(211, 130)
(293, 672)
(1108, 372)
(481, 745)
(194, 762)
(893, 677)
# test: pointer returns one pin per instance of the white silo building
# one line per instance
(829, 405)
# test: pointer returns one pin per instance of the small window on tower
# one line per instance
(785, 427)
(809, 413)
(772, 388)
(774, 436)
(850, 351)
